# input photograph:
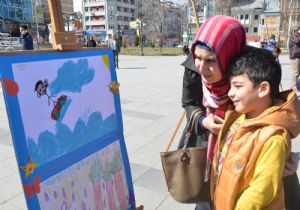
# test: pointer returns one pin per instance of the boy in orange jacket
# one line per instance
(254, 142)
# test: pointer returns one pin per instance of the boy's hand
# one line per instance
(292, 165)
(218, 120)
(213, 123)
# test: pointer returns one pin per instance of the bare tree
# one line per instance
(289, 18)
(224, 7)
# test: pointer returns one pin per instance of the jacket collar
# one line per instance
(189, 63)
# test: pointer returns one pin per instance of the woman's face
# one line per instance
(207, 65)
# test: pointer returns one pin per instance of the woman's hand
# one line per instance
(213, 123)
(291, 165)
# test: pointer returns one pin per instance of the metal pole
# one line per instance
(37, 26)
(207, 9)
(195, 14)
(141, 39)
(68, 23)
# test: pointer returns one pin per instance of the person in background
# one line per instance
(91, 42)
(276, 52)
(116, 48)
(186, 49)
(26, 38)
(294, 51)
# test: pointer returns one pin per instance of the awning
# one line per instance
(93, 32)
(254, 38)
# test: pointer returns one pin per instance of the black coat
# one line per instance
(192, 99)
(294, 46)
(91, 43)
(27, 42)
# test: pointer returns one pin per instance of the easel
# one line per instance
(63, 40)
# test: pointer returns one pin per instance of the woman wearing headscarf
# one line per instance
(205, 83)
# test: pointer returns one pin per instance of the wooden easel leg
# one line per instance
(141, 207)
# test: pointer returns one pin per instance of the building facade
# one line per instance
(270, 21)
(112, 16)
(13, 13)
(66, 6)
(250, 15)
(34, 13)
(289, 19)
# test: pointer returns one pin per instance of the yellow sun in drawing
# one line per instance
(29, 167)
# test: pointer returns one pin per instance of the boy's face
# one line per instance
(244, 95)
(207, 65)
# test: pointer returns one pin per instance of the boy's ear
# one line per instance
(264, 89)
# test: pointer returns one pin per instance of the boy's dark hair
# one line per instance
(25, 27)
(260, 65)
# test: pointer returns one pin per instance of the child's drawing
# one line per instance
(97, 182)
(64, 104)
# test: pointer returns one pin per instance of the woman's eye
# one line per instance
(210, 60)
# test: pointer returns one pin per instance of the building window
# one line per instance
(246, 17)
(246, 29)
(255, 30)
(241, 17)
(256, 17)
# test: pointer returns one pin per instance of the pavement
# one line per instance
(150, 98)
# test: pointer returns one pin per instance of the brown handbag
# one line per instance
(184, 169)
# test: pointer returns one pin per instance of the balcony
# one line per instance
(95, 23)
(94, 4)
(98, 13)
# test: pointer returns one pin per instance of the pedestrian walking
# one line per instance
(26, 38)
(116, 48)
(294, 51)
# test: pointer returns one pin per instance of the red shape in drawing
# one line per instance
(58, 106)
(33, 188)
(11, 87)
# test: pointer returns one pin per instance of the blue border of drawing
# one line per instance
(53, 167)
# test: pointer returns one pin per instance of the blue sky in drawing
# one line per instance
(72, 77)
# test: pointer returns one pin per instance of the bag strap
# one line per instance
(175, 132)
(188, 129)
(190, 126)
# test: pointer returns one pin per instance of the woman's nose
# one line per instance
(202, 66)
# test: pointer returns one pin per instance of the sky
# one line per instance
(77, 5)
